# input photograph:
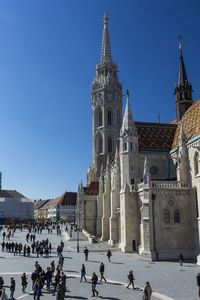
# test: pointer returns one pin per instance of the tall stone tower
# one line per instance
(183, 89)
(106, 107)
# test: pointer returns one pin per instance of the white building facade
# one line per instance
(15, 207)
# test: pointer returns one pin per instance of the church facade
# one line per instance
(143, 185)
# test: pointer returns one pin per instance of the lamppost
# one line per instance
(78, 224)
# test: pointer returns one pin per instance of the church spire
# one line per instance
(182, 75)
(106, 50)
(128, 117)
(183, 90)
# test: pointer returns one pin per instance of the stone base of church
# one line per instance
(98, 227)
(125, 248)
(105, 229)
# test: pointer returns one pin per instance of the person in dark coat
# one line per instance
(131, 280)
(94, 280)
(101, 270)
(83, 273)
(86, 251)
(109, 254)
(198, 283)
(12, 288)
(180, 258)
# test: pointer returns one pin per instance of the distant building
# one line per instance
(41, 209)
(15, 207)
(63, 207)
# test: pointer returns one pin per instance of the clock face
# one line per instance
(153, 170)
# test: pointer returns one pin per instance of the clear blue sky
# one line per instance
(48, 53)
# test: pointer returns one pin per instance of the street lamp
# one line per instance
(78, 225)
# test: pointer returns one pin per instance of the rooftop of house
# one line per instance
(68, 198)
(10, 194)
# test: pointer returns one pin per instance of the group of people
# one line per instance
(38, 247)
(53, 279)
(147, 291)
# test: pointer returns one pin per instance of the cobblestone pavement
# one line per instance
(168, 280)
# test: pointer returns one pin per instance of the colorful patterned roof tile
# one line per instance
(155, 136)
(190, 122)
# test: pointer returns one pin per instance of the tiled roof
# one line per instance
(92, 188)
(65, 199)
(40, 203)
(155, 136)
(190, 122)
(10, 194)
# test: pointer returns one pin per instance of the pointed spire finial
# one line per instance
(182, 137)
(146, 174)
(106, 50)
(180, 38)
(128, 117)
(182, 76)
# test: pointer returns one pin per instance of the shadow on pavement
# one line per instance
(114, 283)
(109, 298)
(77, 297)
(71, 271)
(116, 263)
(95, 261)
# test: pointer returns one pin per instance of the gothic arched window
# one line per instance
(109, 144)
(109, 118)
(166, 216)
(99, 143)
(100, 117)
(196, 163)
(176, 216)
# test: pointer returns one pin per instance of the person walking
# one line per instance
(109, 254)
(86, 251)
(101, 270)
(94, 280)
(83, 273)
(131, 280)
(180, 258)
(24, 282)
(198, 283)
(37, 290)
(12, 288)
(147, 291)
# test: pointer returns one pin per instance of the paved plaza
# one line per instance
(168, 280)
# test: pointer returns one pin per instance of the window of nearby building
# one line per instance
(109, 144)
(176, 216)
(166, 216)
(109, 118)
(196, 163)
